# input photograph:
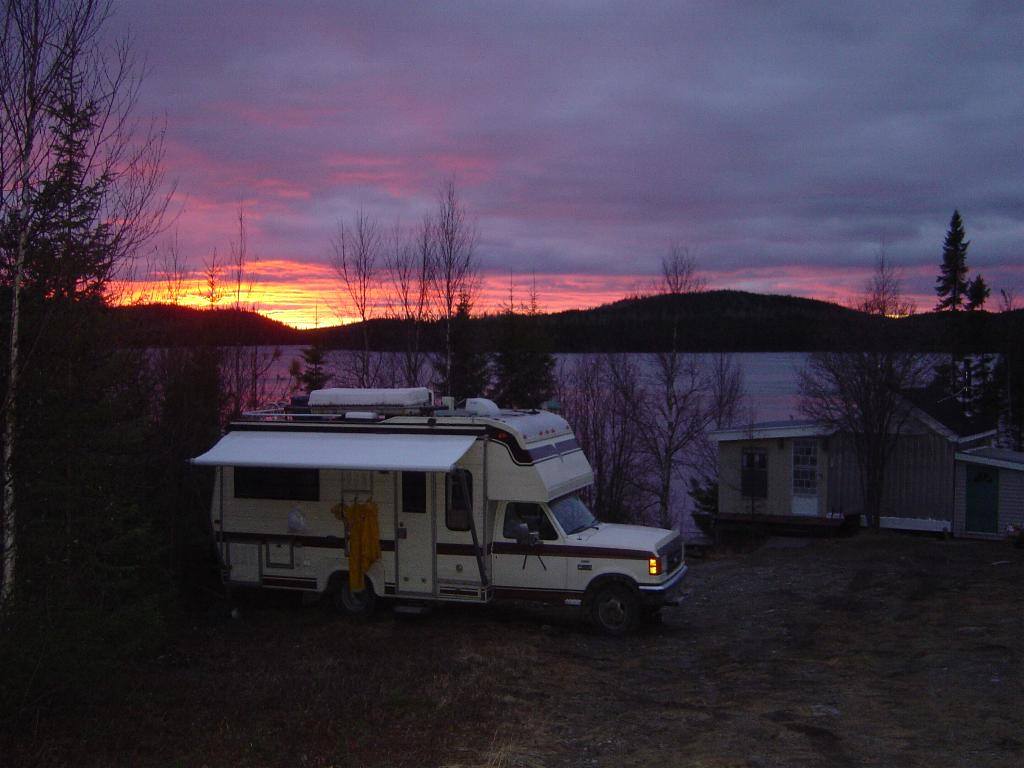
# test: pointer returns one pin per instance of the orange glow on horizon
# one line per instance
(310, 294)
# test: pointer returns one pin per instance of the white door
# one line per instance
(414, 534)
(805, 477)
(528, 570)
(244, 561)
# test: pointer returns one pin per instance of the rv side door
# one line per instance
(535, 567)
(414, 534)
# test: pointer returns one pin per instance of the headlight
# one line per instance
(654, 566)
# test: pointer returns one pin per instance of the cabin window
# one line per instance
(459, 500)
(277, 483)
(414, 492)
(754, 474)
(805, 467)
(533, 515)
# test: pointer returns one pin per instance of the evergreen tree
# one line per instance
(523, 363)
(311, 372)
(951, 284)
(977, 293)
(467, 364)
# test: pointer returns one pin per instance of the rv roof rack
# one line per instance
(349, 404)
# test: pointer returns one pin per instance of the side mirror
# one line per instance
(524, 536)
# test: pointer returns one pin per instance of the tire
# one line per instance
(354, 603)
(615, 609)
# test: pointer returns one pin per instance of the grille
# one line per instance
(672, 554)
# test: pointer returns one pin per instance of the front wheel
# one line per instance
(354, 603)
(615, 609)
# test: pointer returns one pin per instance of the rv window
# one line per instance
(531, 514)
(414, 492)
(754, 474)
(459, 508)
(277, 483)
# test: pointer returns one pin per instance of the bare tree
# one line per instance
(679, 272)
(245, 367)
(672, 418)
(455, 274)
(860, 394)
(726, 406)
(213, 281)
(174, 270)
(884, 290)
(356, 259)
(1008, 300)
(602, 417)
(67, 141)
(409, 268)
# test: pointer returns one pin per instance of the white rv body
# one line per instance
(279, 474)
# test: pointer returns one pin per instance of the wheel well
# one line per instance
(337, 579)
(604, 580)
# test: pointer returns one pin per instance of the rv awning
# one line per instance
(318, 450)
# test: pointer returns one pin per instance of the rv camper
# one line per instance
(367, 494)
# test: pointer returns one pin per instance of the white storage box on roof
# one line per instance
(410, 397)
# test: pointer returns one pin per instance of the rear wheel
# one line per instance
(615, 609)
(354, 603)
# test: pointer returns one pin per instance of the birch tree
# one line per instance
(455, 273)
(80, 182)
(409, 267)
(245, 367)
(357, 261)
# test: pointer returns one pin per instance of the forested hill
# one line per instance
(711, 320)
(168, 325)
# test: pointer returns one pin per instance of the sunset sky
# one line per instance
(783, 143)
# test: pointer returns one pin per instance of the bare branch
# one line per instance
(679, 272)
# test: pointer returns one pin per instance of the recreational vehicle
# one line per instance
(368, 494)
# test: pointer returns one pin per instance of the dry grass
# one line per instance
(878, 650)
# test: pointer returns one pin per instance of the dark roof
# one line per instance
(946, 410)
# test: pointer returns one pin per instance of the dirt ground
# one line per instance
(879, 650)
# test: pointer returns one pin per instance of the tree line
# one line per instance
(866, 395)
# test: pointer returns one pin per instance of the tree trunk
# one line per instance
(9, 552)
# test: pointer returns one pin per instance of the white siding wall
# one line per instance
(1011, 499)
(1011, 502)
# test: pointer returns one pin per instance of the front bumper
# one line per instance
(667, 593)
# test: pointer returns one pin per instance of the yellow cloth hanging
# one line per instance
(363, 534)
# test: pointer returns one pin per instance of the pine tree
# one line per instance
(523, 364)
(311, 372)
(977, 293)
(951, 284)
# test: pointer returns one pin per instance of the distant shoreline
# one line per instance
(712, 321)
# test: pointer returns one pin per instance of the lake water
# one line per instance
(770, 378)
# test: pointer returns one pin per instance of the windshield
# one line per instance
(572, 514)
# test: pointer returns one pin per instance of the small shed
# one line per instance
(775, 472)
(802, 473)
(989, 497)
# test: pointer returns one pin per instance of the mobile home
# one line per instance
(464, 505)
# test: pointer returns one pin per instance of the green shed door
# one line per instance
(982, 499)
